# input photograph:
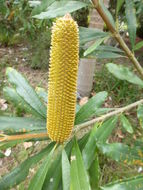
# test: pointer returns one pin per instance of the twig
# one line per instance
(118, 37)
(6, 138)
(76, 129)
(103, 117)
(2, 137)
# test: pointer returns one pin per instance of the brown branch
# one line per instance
(106, 116)
(77, 128)
(6, 138)
(118, 37)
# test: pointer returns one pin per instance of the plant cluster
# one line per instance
(74, 160)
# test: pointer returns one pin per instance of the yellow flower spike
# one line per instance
(64, 57)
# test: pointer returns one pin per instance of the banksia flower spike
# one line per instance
(64, 57)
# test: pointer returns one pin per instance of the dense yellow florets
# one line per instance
(64, 57)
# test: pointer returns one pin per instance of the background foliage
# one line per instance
(110, 155)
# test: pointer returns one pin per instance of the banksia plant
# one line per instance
(64, 57)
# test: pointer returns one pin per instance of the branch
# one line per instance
(76, 129)
(118, 37)
(106, 116)
(6, 138)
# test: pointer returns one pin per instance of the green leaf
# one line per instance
(109, 49)
(82, 142)
(135, 183)
(37, 181)
(138, 46)
(123, 73)
(77, 107)
(11, 125)
(94, 46)
(42, 7)
(53, 179)
(104, 130)
(79, 177)
(90, 34)
(26, 91)
(5, 145)
(12, 143)
(108, 14)
(42, 94)
(119, 5)
(139, 143)
(140, 114)
(126, 124)
(88, 152)
(94, 172)
(3, 7)
(122, 153)
(100, 134)
(101, 111)
(20, 173)
(60, 8)
(89, 109)
(1, 155)
(131, 21)
(12, 96)
(54, 175)
(34, 3)
(65, 171)
(105, 55)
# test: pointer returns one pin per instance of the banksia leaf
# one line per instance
(64, 58)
